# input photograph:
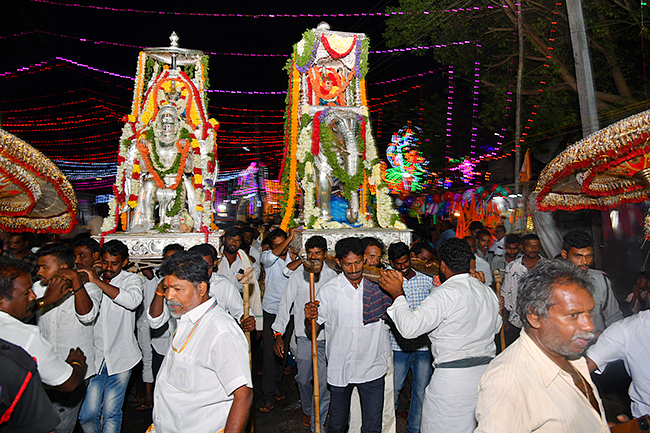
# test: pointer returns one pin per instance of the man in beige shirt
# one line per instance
(541, 382)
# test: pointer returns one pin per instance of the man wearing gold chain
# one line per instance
(204, 383)
(541, 382)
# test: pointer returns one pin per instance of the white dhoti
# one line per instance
(388, 424)
(450, 400)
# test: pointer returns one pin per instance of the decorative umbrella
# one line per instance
(34, 194)
(602, 171)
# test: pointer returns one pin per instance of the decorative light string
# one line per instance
(224, 15)
(450, 108)
(475, 92)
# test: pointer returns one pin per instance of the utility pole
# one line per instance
(520, 72)
(584, 76)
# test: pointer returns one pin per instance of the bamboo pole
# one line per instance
(499, 280)
(314, 355)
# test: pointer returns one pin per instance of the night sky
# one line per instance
(73, 113)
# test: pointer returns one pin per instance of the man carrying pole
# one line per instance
(298, 293)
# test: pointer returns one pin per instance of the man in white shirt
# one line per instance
(294, 298)
(627, 340)
(512, 252)
(17, 300)
(116, 348)
(498, 247)
(239, 268)
(461, 317)
(531, 247)
(204, 384)
(578, 248)
(541, 382)
(275, 261)
(352, 311)
(68, 323)
(224, 291)
(480, 264)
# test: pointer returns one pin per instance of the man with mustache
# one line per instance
(352, 310)
(294, 298)
(18, 248)
(116, 348)
(68, 323)
(17, 300)
(204, 384)
(541, 382)
(578, 248)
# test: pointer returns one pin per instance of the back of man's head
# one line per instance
(61, 252)
(417, 247)
(475, 225)
(84, 240)
(204, 250)
(578, 239)
(457, 255)
(535, 288)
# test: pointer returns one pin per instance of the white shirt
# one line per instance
(498, 247)
(629, 340)
(523, 391)
(64, 329)
(356, 353)
(461, 317)
(227, 296)
(194, 389)
(483, 266)
(257, 255)
(514, 271)
(53, 370)
(606, 311)
(115, 341)
(296, 296)
(160, 340)
(275, 281)
(232, 270)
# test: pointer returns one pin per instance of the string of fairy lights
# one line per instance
(266, 144)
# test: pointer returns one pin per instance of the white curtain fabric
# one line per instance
(545, 228)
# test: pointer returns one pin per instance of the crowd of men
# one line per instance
(74, 317)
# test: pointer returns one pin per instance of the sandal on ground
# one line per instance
(266, 408)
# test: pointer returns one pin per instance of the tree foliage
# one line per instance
(549, 99)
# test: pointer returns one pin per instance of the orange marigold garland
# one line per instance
(292, 120)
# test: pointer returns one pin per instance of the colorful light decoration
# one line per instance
(223, 15)
(408, 170)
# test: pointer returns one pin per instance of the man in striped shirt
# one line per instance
(414, 353)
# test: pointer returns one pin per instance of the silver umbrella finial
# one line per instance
(173, 39)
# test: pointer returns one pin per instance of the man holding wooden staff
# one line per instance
(297, 294)
(352, 310)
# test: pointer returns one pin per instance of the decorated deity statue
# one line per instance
(329, 145)
(167, 161)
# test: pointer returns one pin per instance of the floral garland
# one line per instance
(293, 141)
(332, 52)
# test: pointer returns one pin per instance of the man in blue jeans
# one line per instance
(116, 348)
(413, 354)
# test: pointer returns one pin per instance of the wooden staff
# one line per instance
(247, 290)
(314, 267)
(499, 280)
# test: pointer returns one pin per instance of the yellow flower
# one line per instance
(132, 118)
(213, 122)
(199, 208)
(198, 179)
(132, 203)
(136, 168)
(194, 143)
